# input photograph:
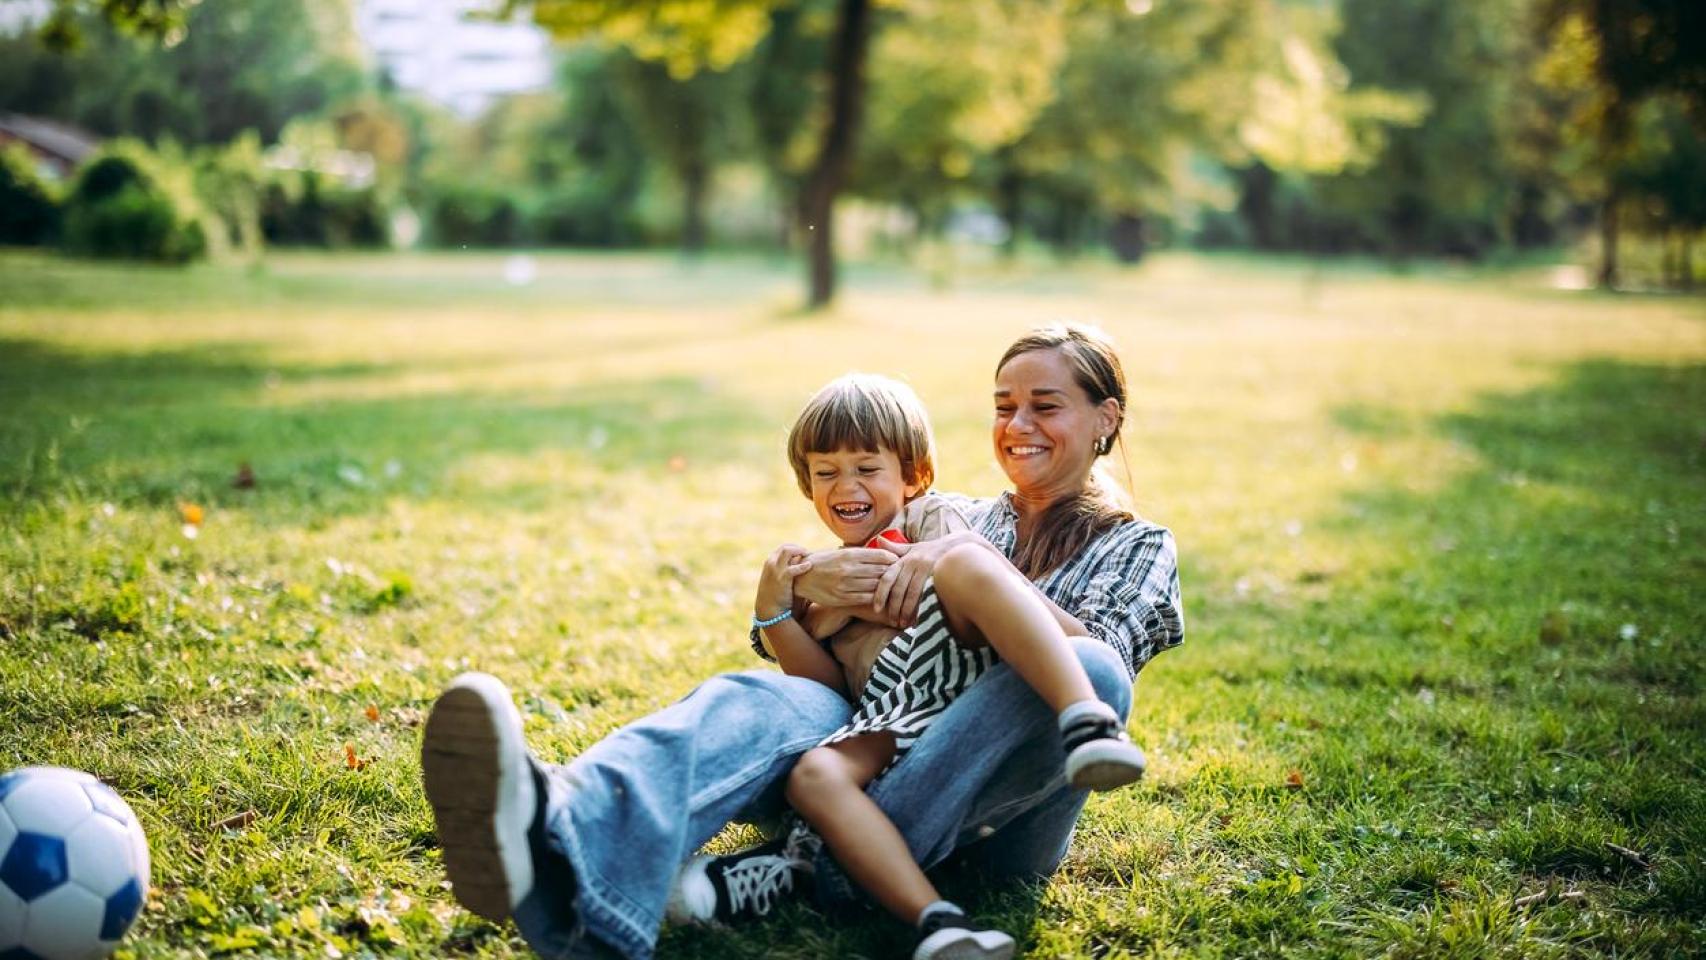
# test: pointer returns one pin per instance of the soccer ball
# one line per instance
(73, 866)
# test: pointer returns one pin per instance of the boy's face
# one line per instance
(858, 494)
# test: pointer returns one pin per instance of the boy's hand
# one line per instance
(898, 591)
(845, 577)
(776, 582)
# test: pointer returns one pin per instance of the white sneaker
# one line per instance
(947, 935)
(480, 784)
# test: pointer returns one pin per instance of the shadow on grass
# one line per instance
(164, 426)
(1516, 700)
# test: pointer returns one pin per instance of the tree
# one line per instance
(231, 67)
(693, 35)
(690, 122)
(1609, 58)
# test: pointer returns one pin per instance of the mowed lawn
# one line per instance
(1441, 542)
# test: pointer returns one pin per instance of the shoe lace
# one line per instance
(754, 884)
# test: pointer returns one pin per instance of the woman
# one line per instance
(583, 855)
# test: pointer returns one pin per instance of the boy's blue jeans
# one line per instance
(987, 776)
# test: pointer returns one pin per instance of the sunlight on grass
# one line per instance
(1439, 539)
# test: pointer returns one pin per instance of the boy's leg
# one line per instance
(984, 598)
(611, 827)
(827, 788)
(968, 778)
(985, 601)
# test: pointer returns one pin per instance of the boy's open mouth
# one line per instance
(852, 512)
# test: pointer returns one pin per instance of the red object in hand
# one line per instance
(892, 534)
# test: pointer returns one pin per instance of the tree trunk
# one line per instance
(1126, 237)
(1256, 205)
(1687, 265)
(695, 184)
(1010, 198)
(829, 173)
(1608, 242)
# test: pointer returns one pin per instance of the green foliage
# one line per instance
(234, 67)
(29, 214)
(129, 202)
(300, 209)
(685, 35)
(473, 213)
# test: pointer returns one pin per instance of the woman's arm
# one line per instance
(844, 577)
(1131, 598)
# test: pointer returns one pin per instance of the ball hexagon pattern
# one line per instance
(73, 866)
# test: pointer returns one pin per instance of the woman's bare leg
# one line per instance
(827, 787)
(986, 602)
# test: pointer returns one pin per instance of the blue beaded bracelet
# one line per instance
(761, 624)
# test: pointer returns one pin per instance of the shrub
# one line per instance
(473, 214)
(133, 223)
(131, 202)
(298, 210)
(28, 213)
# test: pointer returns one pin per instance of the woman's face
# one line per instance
(1046, 426)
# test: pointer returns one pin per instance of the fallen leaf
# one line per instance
(245, 478)
(678, 463)
(237, 821)
(352, 761)
(372, 713)
(191, 513)
(1294, 780)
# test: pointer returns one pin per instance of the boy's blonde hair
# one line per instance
(864, 411)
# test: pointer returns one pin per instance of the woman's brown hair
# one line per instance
(1070, 523)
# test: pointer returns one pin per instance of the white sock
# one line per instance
(1075, 712)
(940, 906)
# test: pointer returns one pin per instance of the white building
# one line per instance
(442, 50)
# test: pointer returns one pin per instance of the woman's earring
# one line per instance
(1103, 445)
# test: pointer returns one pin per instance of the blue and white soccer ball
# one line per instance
(73, 866)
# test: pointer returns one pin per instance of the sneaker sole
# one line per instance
(1104, 765)
(965, 945)
(476, 798)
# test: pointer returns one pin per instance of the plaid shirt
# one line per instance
(1123, 586)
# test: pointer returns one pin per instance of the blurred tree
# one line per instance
(936, 120)
(1607, 59)
(689, 36)
(229, 68)
(1145, 92)
(162, 21)
(1449, 183)
(783, 97)
(691, 122)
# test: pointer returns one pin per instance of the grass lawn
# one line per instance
(1441, 542)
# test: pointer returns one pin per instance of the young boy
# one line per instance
(862, 451)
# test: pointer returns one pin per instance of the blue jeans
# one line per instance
(628, 811)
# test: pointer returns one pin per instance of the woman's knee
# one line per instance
(1108, 677)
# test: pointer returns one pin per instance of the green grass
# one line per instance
(1440, 540)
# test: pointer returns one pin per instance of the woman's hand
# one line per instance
(845, 577)
(776, 582)
(896, 597)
